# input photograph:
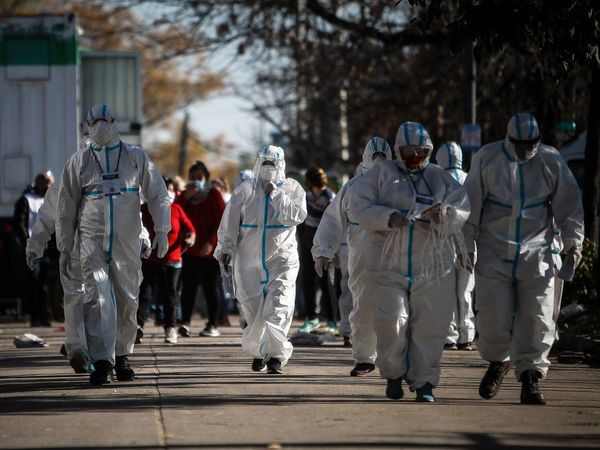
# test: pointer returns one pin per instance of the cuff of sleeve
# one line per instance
(569, 243)
(35, 248)
(326, 252)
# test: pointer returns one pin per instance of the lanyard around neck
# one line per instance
(108, 168)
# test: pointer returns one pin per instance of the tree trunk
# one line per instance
(591, 181)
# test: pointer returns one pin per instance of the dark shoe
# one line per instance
(530, 390)
(492, 380)
(258, 365)
(274, 366)
(81, 362)
(450, 347)
(347, 342)
(123, 370)
(362, 370)
(139, 335)
(184, 331)
(425, 394)
(210, 331)
(467, 346)
(102, 374)
(63, 350)
(394, 389)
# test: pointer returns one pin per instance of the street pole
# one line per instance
(470, 90)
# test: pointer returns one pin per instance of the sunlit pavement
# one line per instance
(201, 393)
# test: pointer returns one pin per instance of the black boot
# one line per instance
(258, 365)
(102, 374)
(274, 366)
(492, 380)
(123, 370)
(530, 391)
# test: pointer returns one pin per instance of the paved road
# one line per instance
(202, 394)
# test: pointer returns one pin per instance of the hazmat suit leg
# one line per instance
(73, 298)
(430, 312)
(534, 327)
(345, 306)
(495, 312)
(364, 339)
(277, 314)
(253, 332)
(390, 320)
(101, 310)
(465, 324)
(453, 335)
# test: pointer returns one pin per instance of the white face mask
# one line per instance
(267, 173)
(103, 133)
(171, 195)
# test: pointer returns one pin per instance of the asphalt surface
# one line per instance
(202, 394)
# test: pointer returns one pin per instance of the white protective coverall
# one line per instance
(70, 276)
(259, 231)
(515, 207)
(462, 327)
(411, 269)
(109, 230)
(331, 239)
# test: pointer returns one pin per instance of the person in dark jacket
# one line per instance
(25, 213)
(318, 198)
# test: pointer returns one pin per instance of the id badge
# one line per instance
(422, 203)
(111, 185)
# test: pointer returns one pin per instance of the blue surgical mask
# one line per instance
(200, 184)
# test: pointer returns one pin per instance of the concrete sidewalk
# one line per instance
(201, 393)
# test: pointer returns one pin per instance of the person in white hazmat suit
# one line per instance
(71, 280)
(257, 236)
(520, 191)
(462, 328)
(414, 212)
(334, 236)
(99, 198)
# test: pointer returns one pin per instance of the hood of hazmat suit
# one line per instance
(522, 129)
(449, 158)
(259, 230)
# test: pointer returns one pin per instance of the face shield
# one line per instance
(413, 156)
(269, 165)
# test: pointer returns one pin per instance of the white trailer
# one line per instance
(39, 112)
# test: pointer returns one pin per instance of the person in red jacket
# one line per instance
(204, 206)
(163, 274)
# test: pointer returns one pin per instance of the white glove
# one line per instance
(64, 262)
(225, 260)
(146, 248)
(161, 244)
(572, 259)
(321, 265)
(397, 220)
(31, 258)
